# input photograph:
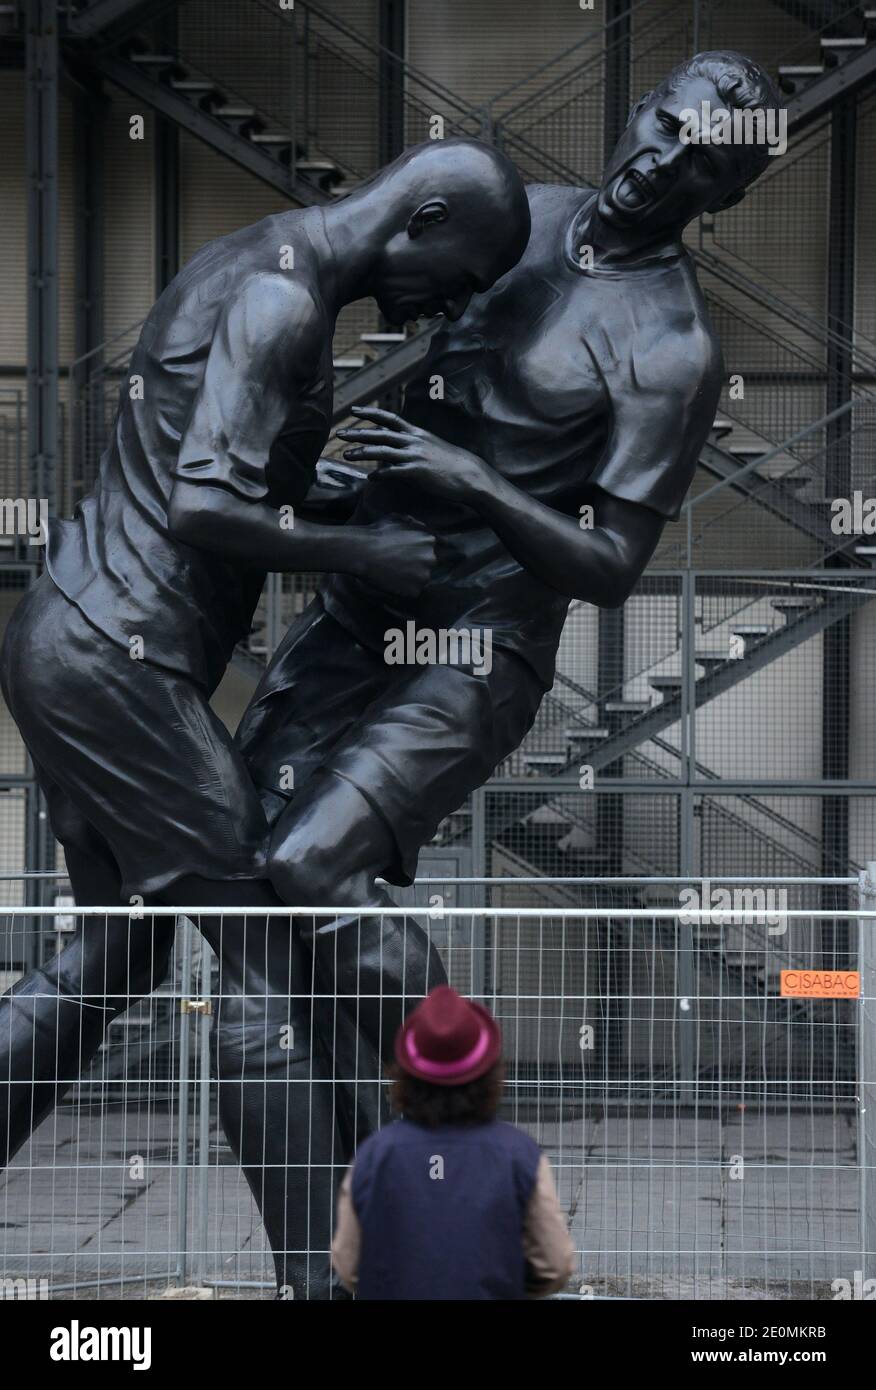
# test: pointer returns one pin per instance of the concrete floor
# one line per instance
(93, 1204)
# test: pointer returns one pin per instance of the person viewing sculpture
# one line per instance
(450, 1202)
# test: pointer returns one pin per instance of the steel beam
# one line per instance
(41, 146)
(391, 118)
(166, 174)
(391, 80)
(616, 97)
(836, 657)
(610, 662)
(86, 387)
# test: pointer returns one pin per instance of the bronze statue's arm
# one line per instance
(266, 347)
(253, 533)
(334, 494)
(600, 565)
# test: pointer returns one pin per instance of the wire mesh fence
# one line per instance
(700, 1075)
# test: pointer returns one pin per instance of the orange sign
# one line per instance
(821, 984)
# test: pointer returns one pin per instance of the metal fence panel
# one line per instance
(710, 1137)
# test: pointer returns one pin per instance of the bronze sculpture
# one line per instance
(574, 381)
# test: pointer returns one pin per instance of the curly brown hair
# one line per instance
(474, 1103)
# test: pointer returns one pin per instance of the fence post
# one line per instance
(293, 95)
(480, 986)
(867, 1070)
(686, 983)
(203, 1220)
(183, 1087)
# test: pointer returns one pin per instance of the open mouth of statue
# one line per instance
(635, 190)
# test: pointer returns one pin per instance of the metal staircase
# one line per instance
(579, 734)
(288, 138)
(741, 468)
(225, 121)
(807, 608)
(845, 63)
(553, 832)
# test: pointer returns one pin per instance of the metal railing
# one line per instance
(709, 1114)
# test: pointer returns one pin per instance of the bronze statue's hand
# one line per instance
(414, 455)
(400, 557)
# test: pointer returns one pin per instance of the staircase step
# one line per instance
(381, 338)
(627, 706)
(841, 50)
(581, 735)
(792, 480)
(710, 659)
(867, 551)
(158, 60)
(668, 685)
(747, 451)
(269, 137)
(545, 761)
(793, 603)
(797, 79)
(189, 85)
(317, 166)
(348, 364)
(721, 426)
(752, 630)
(234, 113)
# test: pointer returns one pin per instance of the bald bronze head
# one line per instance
(457, 219)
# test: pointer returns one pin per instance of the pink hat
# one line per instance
(448, 1040)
